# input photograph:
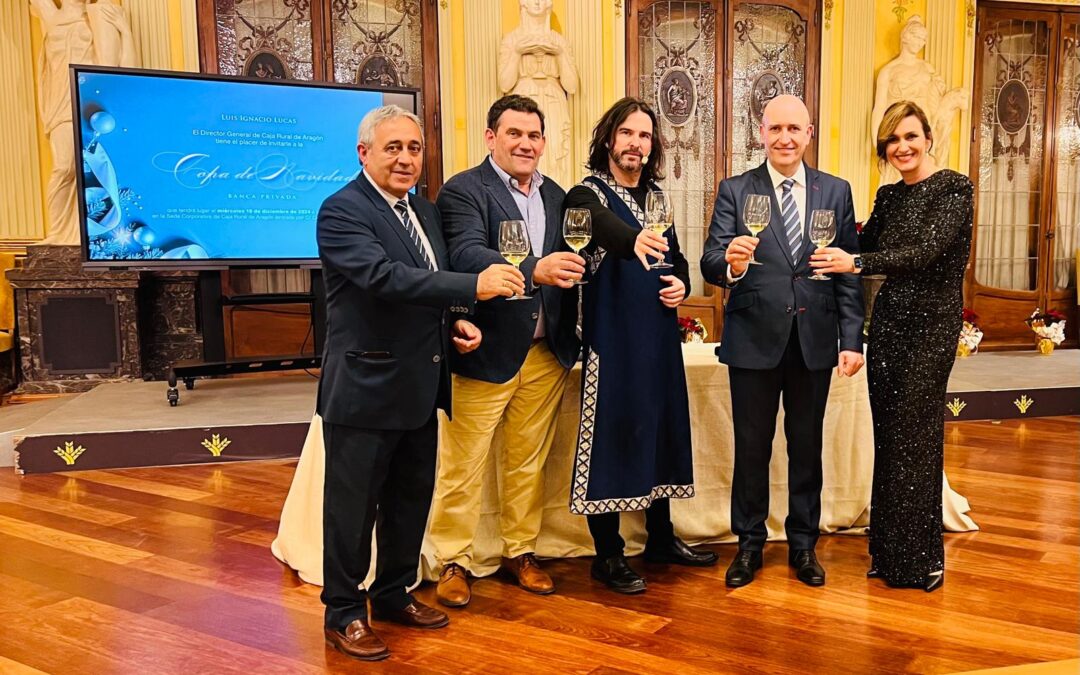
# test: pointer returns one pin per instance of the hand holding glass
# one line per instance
(757, 212)
(577, 231)
(514, 246)
(658, 218)
(822, 233)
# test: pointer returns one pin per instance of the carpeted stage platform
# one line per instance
(131, 425)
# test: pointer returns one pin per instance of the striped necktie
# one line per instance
(792, 226)
(402, 208)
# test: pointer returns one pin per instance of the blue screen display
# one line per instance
(186, 168)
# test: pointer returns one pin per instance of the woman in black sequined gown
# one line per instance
(919, 236)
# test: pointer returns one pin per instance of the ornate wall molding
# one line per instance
(941, 49)
(150, 28)
(189, 36)
(856, 140)
(618, 53)
(448, 101)
(22, 208)
(829, 79)
(968, 84)
(483, 29)
(584, 22)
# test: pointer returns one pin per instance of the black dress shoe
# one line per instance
(742, 568)
(615, 573)
(678, 553)
(807, 568)
(933, 582)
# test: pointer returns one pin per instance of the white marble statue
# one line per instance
(535, 61)
(910, 78)
(80, 32)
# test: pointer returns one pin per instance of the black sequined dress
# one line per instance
(919, 236)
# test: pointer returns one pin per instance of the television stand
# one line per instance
(209, 305)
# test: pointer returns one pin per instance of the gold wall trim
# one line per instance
(447, 99)
(483, 31)
(856, 140)
(189, 35)
(584, 31)
(22, 207)
(828, 80)
(941, 48)
(150, 29)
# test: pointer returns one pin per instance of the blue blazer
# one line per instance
(758, 315)
(384, 364)
(472, 204)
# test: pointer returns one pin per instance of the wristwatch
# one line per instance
(856, 260)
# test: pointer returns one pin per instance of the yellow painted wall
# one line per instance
(510, 18)
(889, 19)
(44, 153)
(836, 92)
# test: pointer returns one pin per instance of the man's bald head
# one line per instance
(785, 132)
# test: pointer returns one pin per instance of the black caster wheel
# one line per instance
(173, 395)
(189, 383)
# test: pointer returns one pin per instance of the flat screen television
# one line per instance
(207, 172)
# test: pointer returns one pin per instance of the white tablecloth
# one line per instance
(847, 468)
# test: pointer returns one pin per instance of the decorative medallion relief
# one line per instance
(377, 43)
(269, 39)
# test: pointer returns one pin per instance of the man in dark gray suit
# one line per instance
(384, 373)
(783, 332)
(517, 376)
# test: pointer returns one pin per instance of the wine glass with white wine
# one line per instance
(822, 233)
(757, 212)
(577, 232)
(514, 246)
(658, 218)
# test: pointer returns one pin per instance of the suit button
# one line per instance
(795, 278)
(788, 309)
(535, 315)
(438, 358)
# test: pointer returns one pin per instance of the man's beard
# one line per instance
(625, 166)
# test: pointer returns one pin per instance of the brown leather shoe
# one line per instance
(358, 641)
(453, 588)
(526, 571)
(416, 615)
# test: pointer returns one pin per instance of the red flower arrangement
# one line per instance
(692, 330)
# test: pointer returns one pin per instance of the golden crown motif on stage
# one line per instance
(956, 406)
(69, 453)
(215, 444)
(1023, 403)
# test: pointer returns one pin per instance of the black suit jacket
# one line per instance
(472, 204)
(758, 316)
(387, 315)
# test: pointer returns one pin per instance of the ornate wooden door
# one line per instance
(708, 68)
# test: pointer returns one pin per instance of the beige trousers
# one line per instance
(527, 404)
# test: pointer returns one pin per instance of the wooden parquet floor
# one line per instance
(168, 571)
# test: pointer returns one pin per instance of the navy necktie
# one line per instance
(792, 225)
(402, 208)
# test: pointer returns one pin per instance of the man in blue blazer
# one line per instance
(517, 376)
(783, 332)
(384, 373)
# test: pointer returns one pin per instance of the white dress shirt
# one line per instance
(798, 193)
(392, 201)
